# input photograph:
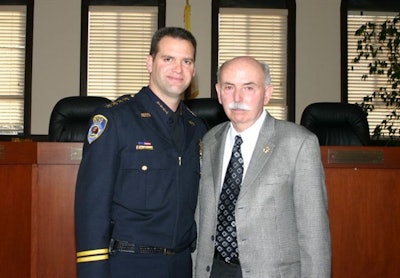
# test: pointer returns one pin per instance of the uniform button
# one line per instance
(208, 268)
(144, 167)
(212, 237)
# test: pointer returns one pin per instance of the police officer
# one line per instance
(138, 180)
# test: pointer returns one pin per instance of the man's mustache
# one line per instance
(238, 106)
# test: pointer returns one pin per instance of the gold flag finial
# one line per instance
(187, 16)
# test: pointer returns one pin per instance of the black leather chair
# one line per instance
(340, 124)
(208, 109)
(70, 117)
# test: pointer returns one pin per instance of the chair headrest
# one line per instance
(70, 117)
(208, 109)
(337, 123)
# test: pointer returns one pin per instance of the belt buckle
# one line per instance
(168, 252)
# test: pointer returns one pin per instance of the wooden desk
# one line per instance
(37, 182)
(16, 174)
(53, 239)
(364, 210)
(38, 185)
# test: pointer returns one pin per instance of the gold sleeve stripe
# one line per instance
(92, 258)
(92, 252)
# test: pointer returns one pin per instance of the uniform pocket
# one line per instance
(145, 180)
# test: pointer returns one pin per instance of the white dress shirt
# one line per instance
(249, 137)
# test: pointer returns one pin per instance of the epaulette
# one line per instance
(120, 100)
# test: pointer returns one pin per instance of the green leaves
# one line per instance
(379, 42)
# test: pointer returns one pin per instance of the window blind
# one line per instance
(359, 88)
(12, 68)
(262, 34)
(118, 45)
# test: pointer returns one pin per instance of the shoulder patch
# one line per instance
(99, 123)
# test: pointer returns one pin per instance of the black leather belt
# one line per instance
(218, 256)
(125, 246)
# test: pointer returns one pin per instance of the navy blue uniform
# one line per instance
(137, 186)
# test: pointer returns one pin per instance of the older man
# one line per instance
(267, 216)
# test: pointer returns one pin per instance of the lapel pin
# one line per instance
(266, 149)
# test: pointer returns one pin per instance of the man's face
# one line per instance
(242, 92)
(172, 68)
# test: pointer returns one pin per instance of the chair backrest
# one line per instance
(340, 124)
(70, 117)
(208, 109)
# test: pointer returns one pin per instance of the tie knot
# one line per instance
(238, 140)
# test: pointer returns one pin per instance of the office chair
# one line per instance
(70, 117)
(208, 109)
(340, 124)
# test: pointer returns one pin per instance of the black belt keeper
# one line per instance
(124, 246)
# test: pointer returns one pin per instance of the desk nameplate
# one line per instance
(355, 156)
(59, 153)
(76, 153)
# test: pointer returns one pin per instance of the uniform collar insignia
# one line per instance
(162, 107)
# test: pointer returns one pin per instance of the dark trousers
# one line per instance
(221, 269)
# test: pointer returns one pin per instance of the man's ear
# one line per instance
(218, 93)
(268, 93)
(149, 63)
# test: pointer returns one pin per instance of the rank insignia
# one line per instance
(144, 146)
(99, 123)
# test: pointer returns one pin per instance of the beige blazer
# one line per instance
(281, 213)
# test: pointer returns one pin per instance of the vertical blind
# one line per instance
(118, 45)
(12, 68)
(359, 88)
(262, 34)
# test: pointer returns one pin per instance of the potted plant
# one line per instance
(380, 43)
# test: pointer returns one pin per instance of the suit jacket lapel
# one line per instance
(217, 155)
(261, 154)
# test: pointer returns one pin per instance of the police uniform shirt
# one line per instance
(173, 120)
(133, 183)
